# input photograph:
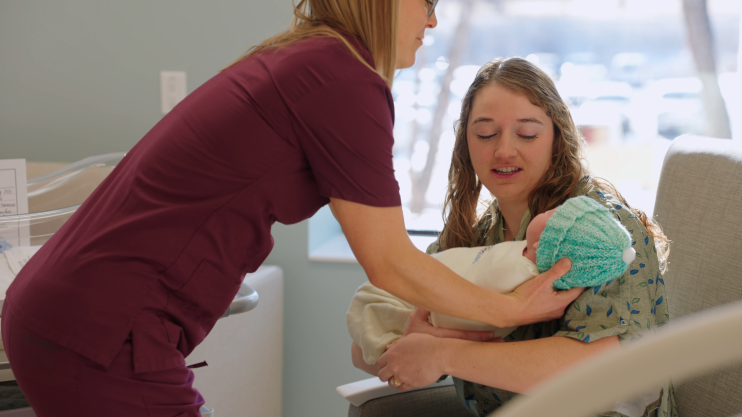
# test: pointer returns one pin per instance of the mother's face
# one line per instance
(510, 142)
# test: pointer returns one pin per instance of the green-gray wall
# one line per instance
(81, 78)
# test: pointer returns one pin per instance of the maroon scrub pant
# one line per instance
(59, 382)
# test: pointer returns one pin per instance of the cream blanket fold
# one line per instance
(376, 318)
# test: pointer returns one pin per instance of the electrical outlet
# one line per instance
(172, 89)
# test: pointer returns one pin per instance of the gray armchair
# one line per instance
(699, 206)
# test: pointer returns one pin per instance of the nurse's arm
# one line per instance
(379, 240)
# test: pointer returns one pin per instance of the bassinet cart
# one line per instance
(53, 198)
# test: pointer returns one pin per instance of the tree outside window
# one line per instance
(636, 74)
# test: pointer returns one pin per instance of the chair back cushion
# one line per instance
(699, 207)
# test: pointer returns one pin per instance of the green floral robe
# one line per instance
(630, 307)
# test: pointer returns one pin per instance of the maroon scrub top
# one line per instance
(161, 246)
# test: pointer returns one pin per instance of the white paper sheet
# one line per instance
(13, 201)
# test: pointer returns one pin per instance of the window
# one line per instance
(626, 67)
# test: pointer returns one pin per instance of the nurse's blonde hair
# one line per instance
(374, 22)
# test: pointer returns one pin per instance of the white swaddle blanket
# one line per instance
(376, 318)
(500, 268)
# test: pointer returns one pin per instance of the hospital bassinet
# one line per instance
(53, 197)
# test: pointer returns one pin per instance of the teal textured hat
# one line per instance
(588, 234)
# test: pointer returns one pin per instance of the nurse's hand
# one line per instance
(415, 361)
(418, 323)
(537, 300)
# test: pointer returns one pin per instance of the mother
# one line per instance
(516, 138)
(99, 322)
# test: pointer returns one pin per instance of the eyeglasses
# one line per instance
(431, 6)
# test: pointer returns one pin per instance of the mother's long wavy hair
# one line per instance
(374, 22)
(566, 170)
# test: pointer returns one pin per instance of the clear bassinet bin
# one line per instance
(53, 197)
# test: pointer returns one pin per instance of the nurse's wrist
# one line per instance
(502, 310)
(448, 352)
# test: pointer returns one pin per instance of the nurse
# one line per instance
(99, 322)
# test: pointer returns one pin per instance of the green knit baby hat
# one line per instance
(588, 234)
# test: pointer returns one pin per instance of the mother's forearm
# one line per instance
(518, 366)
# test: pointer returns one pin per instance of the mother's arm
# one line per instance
(418, 360)
(519, 366)
(379, 240)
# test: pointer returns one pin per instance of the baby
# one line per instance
(580, 229)
(502, 268)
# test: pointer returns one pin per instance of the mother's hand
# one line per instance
(416, 361)
(418, 323)
(538, 301)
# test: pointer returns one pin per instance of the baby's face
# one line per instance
(533, 233)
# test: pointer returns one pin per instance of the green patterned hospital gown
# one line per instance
(630, 306)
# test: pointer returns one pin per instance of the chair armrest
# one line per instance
(365, 390)
(693, 344)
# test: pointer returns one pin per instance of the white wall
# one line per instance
(81, 77)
